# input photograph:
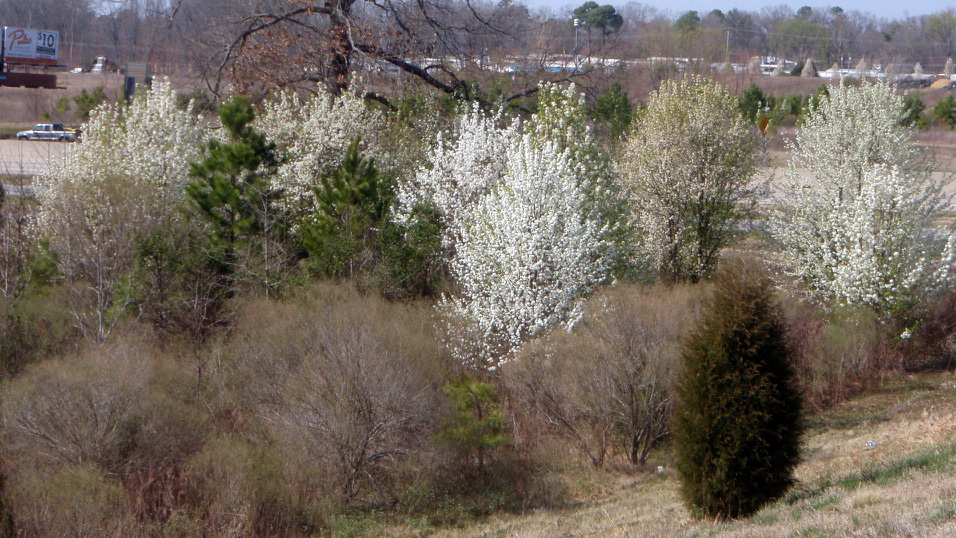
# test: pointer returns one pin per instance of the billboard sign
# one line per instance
(27, 46)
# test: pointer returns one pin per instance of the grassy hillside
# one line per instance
(905, 485)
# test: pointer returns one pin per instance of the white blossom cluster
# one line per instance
(464, 166)
(148, 144)
(527, 256)
(857, 218)
(523, 228)
(690, 163)
(122, 182)
(562, 120)
(313, 136)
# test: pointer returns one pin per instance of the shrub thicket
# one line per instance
(608, 386)
(737, 423)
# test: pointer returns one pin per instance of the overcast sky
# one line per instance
(882, 8)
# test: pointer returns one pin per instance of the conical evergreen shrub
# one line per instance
(737, 423)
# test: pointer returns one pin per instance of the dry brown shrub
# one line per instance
(351, 380)
(934, 345)
(610, 383)
(837, 353)
(172, 426)
(78, 411)
(236, 487)
(71, 501)
(118, 409)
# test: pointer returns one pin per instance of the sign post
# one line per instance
(29, 46)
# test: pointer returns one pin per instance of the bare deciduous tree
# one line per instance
(611, 382)
(335, 386)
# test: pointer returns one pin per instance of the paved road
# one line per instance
(27, 157)
(33, 158)
(780, 180)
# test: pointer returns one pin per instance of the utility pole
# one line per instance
(728, 44)
(577, 24)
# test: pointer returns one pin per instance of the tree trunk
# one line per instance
(340, 54)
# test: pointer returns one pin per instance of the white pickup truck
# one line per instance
(48, 131)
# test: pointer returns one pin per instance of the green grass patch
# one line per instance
(820, 504)
(10, 130)
(803, 493)
(767, 516)
(928, 462)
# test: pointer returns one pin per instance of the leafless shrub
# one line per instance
(17, 239)
(234, 487)
(333, 378)
(71, 502)
(836, 353)
(612, 379)
(77, 411)
(934, 342)
(119, 409)
(95, 227)
(172, 426)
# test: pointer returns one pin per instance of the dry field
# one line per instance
(905, 485)
(26, 106)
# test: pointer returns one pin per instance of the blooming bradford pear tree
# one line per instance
(690, 163)
(464, 166)
(562, 119)
(313, 137)
(856, 223)
(124, 181)
(526, 233)
(527, 257)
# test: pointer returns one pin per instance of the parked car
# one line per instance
(48, 131)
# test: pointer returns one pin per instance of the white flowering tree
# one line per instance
(464, 166)
(313, 137)
(690, 163)
(526, 233)
(562, 120)
(857, 215)
(527, 257)
(122, 182)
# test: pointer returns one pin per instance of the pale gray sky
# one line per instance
(882, 8)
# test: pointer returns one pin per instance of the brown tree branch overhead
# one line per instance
(443, 44)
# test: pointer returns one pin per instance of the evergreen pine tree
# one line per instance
(737, 426)
(752, 102)
(232, 191)
(232, 182)
(477, 425)
(351, 203)
(613, 108)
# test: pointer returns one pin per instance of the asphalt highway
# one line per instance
(29, 158)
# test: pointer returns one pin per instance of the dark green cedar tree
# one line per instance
(737, 423)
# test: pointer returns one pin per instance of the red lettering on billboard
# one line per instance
(20, 37)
